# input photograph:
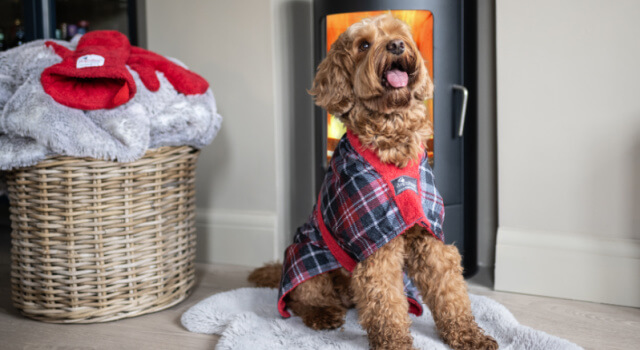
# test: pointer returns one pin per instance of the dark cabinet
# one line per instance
(25, 20)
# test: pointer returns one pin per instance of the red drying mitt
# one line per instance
(94, 76)
(146, 63)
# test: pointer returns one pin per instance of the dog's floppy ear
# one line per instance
(332, 87)
(423, 88)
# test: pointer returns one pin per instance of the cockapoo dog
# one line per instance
(378, 214)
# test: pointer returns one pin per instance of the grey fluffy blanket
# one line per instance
(34, 126)
(247, 318)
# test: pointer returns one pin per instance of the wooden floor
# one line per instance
(593, 326)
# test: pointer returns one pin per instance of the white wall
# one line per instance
(253, 185)
(230, 44)
(569, 149)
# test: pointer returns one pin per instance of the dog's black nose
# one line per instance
(396, 47)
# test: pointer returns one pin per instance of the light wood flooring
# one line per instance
(593, 326)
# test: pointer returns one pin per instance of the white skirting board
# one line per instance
(596, 269)
(236, 237)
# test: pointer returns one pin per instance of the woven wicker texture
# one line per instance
(96, 241)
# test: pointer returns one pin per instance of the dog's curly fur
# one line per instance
(394, 122)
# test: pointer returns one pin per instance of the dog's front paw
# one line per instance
(469, 338)
(319, 318)
(391, 342)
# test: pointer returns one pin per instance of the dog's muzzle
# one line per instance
(396, 47)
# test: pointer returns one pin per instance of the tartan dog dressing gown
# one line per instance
(363, 204)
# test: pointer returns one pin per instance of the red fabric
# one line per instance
(103, 85)
(146, 63)
(91, 84)
(282, 308)
(415, 307)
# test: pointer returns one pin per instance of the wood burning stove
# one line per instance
(444, 31)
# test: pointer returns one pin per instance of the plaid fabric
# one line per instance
(360, 212)
(432, 203)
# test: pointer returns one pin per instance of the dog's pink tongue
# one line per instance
(397, 78)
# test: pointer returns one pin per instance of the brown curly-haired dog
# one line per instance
(388, 115)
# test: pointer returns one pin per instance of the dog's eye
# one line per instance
(364, 46)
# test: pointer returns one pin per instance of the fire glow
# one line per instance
(421, 23)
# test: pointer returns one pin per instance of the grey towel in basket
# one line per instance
(33, 125)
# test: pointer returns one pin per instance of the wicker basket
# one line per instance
(96, 241)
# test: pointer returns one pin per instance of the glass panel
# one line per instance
(12, 31)
(421, 23)
(79, 16)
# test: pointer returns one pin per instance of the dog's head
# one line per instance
(375, 62)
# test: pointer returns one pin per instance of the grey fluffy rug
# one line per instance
(247, 319)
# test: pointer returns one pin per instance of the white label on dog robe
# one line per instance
(404, 183)
(90, 61)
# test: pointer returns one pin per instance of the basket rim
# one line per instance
(150, 153)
